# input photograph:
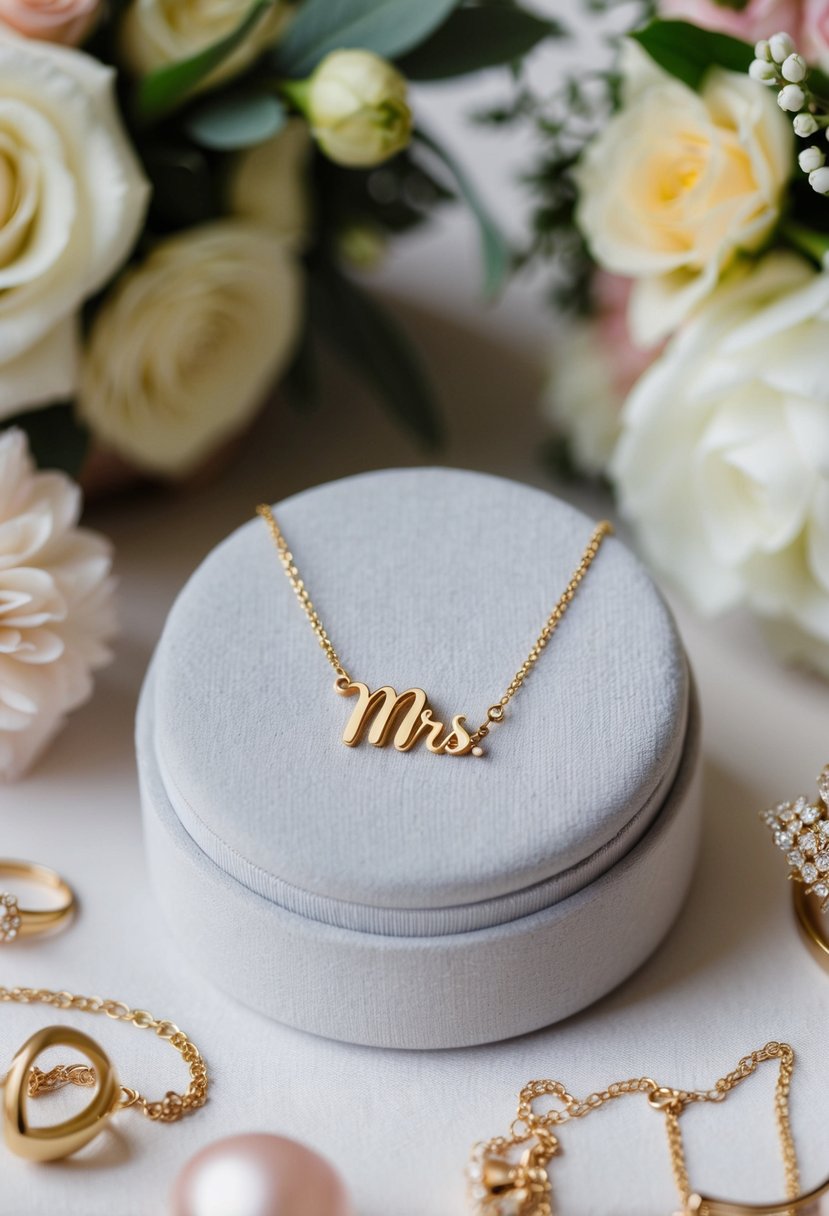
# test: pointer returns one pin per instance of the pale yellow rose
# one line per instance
(269, 184)
(155, 33)
(357, 107)
(187, 345)
(678, 183)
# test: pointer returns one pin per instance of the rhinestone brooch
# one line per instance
(801, 831)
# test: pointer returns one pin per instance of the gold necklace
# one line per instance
(406, 717)
(500, 1186)
(25, 1081)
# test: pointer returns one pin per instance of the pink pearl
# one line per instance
(259, 1175)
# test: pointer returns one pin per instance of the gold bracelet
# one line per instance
(508, 1175)
(24, 1080)
(17, 922)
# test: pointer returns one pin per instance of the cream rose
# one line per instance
(56, 604)
(155, 33)
(269, 183)
(66, 21)
(72, 200)
(723, 464)
(187, 345)
(358, 110)
(678, 182)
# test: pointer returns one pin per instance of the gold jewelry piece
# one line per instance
(24, 1081)
(508, 1174)
(405, 718)
(801, 831)
(18, 922)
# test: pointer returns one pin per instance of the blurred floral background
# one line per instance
(197, 201)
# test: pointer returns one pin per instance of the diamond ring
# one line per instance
(801, 831)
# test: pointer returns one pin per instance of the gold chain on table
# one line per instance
(169, 1109)
(495, 713)
(540, 1126)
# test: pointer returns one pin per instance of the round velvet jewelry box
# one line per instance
(408, 899)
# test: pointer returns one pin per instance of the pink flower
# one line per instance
(759, 18)
(66, 21)
(816, 32)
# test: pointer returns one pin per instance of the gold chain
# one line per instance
(540, 1127)
(496, 712)
(169, 1109)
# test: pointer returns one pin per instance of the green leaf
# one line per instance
(236, 121)
(167, 87)
(495, 251)
(687, 51)
(387, 27)
(369, 338)
(56, 439)
(481, 36)
(806, 240)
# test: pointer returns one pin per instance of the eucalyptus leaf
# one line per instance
(496, 254)
(167, 87)
(688, 51)
(56, 439)
(369, 338)
(476, 37)
(236, 121)
(387, 27)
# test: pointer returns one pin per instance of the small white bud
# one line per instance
(805, 125)
(791, 98)
(762, 70)
(819, 180)
(794, 68)
(781, 46)
(762, 49)
(811, 159)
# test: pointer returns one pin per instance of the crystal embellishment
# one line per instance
(801, 830)
(9, 918)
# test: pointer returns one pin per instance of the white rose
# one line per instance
(723, 464)
(269, 183)
(155, 33)
(187, 345)
(357, 107)
(582, 400)
(678, 182)
(56, 609)
(72, 201)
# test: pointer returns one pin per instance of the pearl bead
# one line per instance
(259, 1175)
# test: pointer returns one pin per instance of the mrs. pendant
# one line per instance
(404, 719)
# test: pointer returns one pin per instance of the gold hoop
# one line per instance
(54, 1143)
(17, 922)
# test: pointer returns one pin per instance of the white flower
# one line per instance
(794, 68)
(781, 46)
(356, 105)
(582, 400)
(56, 611)
(811, 158)
(762, 70)
(187, 345)
(72, 200)
(269, 183)
(155, 33)
(805, 125)
(819, 180)
(678, 182)
(723, 464)
(791, 98)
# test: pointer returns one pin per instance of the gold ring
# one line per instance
(801, 830)
(16, 922)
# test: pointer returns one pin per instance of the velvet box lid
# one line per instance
(352, 879)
